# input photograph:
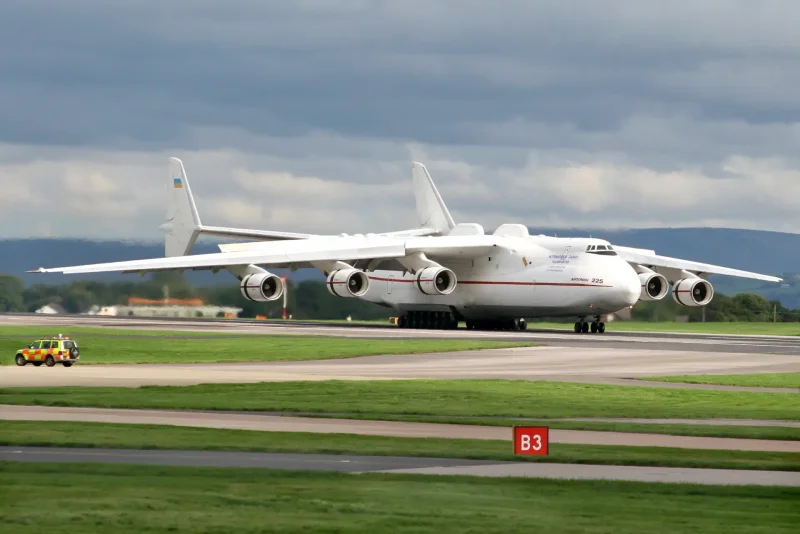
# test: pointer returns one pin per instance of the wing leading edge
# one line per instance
(650, 259)
(297, 252)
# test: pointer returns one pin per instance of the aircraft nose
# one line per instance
(632, 289)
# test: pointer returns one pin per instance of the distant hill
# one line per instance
(766, 252)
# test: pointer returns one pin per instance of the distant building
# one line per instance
(139, 307)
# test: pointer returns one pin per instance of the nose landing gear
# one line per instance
(596, 327)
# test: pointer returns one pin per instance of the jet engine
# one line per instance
(654, 286)
(436, 281)
(692, 292)
(262, 287)
(348, 283)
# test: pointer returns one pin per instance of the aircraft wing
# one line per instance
(649, 258)
(300, 251)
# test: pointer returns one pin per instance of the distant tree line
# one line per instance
(311, 300)
(306, 300)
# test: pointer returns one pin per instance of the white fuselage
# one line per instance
(539, 277)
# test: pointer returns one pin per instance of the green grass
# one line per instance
(125, 436)
(749, 328)
(118, 498)
(182, 347)
(766, 380)
(477, 398)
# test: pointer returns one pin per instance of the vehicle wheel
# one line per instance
(50, 361)
(74, 352)
(67, 364)
(20, 360)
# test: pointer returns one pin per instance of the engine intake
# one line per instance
(347, 283)
(262, 287)
(692, 292)
(436, 281)
(654, 286)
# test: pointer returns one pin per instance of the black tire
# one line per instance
(74, 353)
(67, 364)
(20, 360)
(602, 328)
(49, 361)
(577, 327)
(595, 328)
(585, 328)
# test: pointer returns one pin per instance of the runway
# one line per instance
(747, 344)
(275, 423)
(402, 465)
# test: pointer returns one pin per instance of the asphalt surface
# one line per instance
(404, 465)
(642, 340)
(273, 423)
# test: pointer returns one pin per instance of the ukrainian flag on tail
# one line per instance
(178, 184)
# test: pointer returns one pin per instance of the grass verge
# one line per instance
(782, 433)
(125, 436)
(117, 498)
(503, 398)
(761, 380)
(187, 347)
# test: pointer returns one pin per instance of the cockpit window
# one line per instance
(601, 250)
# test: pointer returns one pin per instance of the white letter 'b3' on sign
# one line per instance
(531, 440)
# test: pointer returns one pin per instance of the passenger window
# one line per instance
(45, 345)
(35, 345)
(68, 345)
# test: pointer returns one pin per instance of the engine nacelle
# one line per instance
(262, 287)
(692, 292)
(348, 283)
(654, 286)
(436, 281)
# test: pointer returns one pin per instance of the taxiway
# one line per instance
(402, 465)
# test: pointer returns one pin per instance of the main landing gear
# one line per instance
(596, 327)
(502, 324)
(447, 321)
(428, 320)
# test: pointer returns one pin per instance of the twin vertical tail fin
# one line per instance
(431, 209)
(183, 222)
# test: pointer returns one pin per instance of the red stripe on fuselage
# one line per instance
(494, 282)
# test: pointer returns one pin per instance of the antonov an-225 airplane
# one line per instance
(440, 273)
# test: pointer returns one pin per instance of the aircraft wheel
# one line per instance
(595, 328)
(523, 325)
(585, 328)
(402, 321)
(601, 327)
(578, 327)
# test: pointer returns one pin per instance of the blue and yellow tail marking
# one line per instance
(178, 183)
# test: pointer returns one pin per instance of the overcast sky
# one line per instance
(306, 115)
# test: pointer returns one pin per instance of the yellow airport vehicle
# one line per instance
(58, 349)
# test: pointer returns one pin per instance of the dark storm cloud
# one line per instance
(148, 73)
